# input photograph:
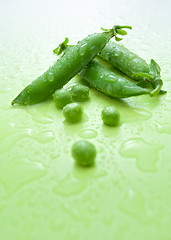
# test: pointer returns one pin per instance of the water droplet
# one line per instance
(38, 116)
(143, 112)
(68, 187)
(88, 133)
(44, 137)
(18, 173)
(164, 127)
(136, 114)
(168, 97)
(50, 76)
(82, 49)
(146, 154)
(5, 90)
(11, 138)
(133, 205)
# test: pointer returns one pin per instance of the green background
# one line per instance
(43, 195)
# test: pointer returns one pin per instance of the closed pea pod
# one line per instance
(132, 65)
(109, 82)
(65, 68)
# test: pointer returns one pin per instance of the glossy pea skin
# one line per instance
(110, 83)
(132, 65)
(64, 69)
(84, 153)
(62, 97)
(125, 60)
(73, 112)
(80, 93)
(110, 116)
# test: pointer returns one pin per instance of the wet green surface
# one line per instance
(43, 195)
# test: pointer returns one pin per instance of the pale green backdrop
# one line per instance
(43, 195)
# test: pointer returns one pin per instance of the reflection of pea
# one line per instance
(110, 116)
(84, 153)
(73, 112)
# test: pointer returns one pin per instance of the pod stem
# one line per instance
(61, 47)
(116, 28)
(157, 84)
(119, 30)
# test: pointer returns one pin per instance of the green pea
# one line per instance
(80, 93)
(62, 98)
(73, 112)
(84, 153)
(110, 116)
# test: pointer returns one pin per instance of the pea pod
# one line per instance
(66, 67)
(110, 83)
(106, 81)
(132, 65)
